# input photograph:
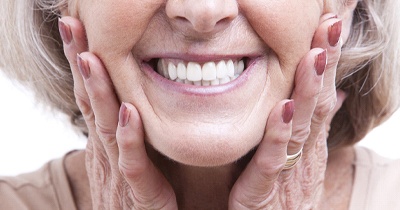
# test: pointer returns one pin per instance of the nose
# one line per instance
(202, 15)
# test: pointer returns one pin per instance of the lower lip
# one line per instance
(200, 90)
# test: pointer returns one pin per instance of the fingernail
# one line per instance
(65, 32)
(320, 63)
(334, 32)
(288, 110)
(83, 67)
(123, 115)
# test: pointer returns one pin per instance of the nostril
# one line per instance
(223, 21)
(203, 15)
(180, 18)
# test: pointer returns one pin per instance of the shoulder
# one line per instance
(376, 181)
(46, 188)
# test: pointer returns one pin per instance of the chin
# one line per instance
(207, 145)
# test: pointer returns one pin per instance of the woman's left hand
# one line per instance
(264, 184)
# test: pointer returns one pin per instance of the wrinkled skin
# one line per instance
(123, 175)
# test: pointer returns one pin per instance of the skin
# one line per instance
(124, 172)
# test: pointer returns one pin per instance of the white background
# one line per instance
(31, 135)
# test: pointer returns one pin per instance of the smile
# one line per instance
(201, 74)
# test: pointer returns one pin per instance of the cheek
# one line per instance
(113, 27)
(287, 27)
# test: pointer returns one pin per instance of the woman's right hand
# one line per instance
(120, 173)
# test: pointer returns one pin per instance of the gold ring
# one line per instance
(291, 160)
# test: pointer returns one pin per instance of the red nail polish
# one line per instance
(320, 63)
(288, 110)
(65, 32)
(123, 115)
(334, 32)
(83, 67)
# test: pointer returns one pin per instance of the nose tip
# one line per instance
(202, 15)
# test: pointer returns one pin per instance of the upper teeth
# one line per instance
(210, 73)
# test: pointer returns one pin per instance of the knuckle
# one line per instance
(98, 93)
(267, 168)
(300, 133)
(247, 200)
(83, 104)
(107, 135)
(126, 144)
(280, 140)
(160, 200)
(102, 168)
(324, 107)
(85, 109)
(132, 170)
(310, 95)
(242, 203)
(80, 94)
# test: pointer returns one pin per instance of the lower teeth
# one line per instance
(207, 83)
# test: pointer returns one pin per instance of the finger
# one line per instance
(308, 84)
(150, 188)
(73, 34)
(327, 36)
(103, 101)
(74, 42)
(255, 184)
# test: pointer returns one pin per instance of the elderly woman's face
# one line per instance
(203, 74)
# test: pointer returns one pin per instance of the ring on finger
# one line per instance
(291, 160)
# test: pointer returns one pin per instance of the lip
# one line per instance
(200, 90)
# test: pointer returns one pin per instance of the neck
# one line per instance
(196, 187)
(209, 187)
(339, 178)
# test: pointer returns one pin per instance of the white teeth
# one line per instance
(240, 68)
(222, 70)
(208, 74)
(231, 68)
(188, 82)
(209, 71)
(193, 72)
(215, 82)
(181, 70)
(197, 83)
(172, 71)
(205, 83)
(224, 80)
(162, 68)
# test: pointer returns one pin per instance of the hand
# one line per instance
(264, 184)
(120, 173)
